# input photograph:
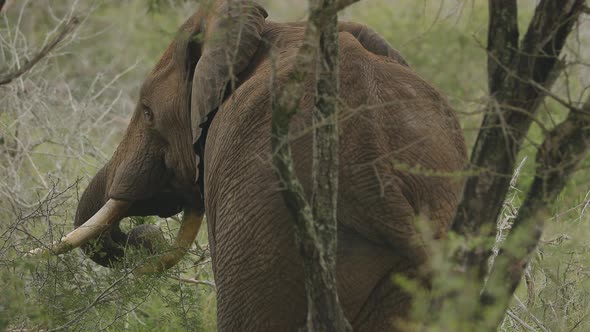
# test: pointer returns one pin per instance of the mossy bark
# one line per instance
(315, 223)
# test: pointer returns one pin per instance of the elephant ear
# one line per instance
(231, 35)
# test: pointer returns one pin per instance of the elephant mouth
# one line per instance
(165, 204)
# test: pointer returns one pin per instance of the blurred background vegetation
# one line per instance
(60, 122)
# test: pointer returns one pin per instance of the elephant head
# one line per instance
(155, 168)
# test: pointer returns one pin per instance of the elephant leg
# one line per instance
(258, 272)
(386, 242)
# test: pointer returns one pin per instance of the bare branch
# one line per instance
(520, 321)
(66, 28)
(530, 314)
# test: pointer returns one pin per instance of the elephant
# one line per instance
(199, 142)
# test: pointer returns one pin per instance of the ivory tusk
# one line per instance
(191, 223)
(111, 212)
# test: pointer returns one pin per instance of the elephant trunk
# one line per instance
(108, 247)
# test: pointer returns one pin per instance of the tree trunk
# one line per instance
(324, 312)
(558, 157)
(519, 79)
(315, 225)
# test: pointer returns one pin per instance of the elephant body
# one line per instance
(199, 141)
(399, 146)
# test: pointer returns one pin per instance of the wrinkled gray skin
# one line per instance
(400, 140)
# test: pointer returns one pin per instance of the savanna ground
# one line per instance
(62, 120)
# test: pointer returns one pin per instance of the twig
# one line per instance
(65, 30)
(115, 79)
(197, 282)
(533, 317)
(560, 100)
(520, 321)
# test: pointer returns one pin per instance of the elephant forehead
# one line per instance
(163, 83)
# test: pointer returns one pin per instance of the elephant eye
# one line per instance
(147, 113)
